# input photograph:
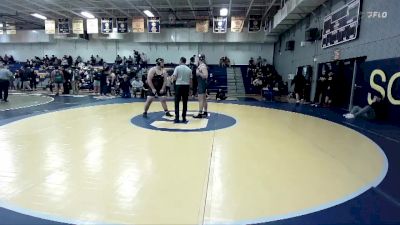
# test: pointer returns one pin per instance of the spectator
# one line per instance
(377, 110)
(224, 61)
(144, 59)
(220, 95)
(299, 83)
(26, 73)
(329, 89)
(11, 60)
(64, 62)
(5, 76)
(137, 86)
(92, 60)
(70, 60)
(76, 80)
(320, 91)
(129, 61)
(67, 80)
(193, 67)
(98, 60)
(17, 80)
(57, 78)
(118, 59)
(32, 78)
(169, 86)
(103, 81)
(96, 82)
(259, 61)
(125, 86)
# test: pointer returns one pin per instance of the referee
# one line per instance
(183, 76)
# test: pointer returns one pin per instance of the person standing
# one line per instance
(32, 78)
(183, 77)
(193, 67)
(157, 81)
(5, 76)
(299, 82)
(57, 78)
(125, 86)
(76, 79)
(103, 81)
(202, 75)
(25, 78)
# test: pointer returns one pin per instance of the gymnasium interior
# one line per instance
(291, 114)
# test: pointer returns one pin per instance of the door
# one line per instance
(343, 78)
(361, 84)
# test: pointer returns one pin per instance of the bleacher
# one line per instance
(218, 80)
(249, 88)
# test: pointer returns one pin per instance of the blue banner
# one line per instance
(220, 24)
(381, 78)
(106, 25)
(63, 26)
(153, 25)
(122, 25)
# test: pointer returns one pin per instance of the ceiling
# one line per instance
(186, 11)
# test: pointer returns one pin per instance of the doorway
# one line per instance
(347, 77)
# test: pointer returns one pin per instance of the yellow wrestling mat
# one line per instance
(94, 165)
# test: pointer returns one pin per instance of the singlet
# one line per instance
(158, 80)
(202, 83)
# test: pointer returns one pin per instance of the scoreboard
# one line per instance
(341, 25)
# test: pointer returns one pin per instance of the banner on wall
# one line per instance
(122, 25)
(106, 25)
(138, 25)
(63, 26)
(220, 24)
(202, 26)
(153, 25)
(77, 26)
(11, 29)
(50, 26)
(254, 23)
(380, 78)
(92, 26)
(237, 23)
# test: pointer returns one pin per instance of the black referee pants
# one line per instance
(181, 93)
(4, 85)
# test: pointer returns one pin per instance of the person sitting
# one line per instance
(377, 110)
(64, 62)
(125, 86)
(78, 60)
(220, 95)
(11, 60)
(137, 86)
(129, 61)
(5, 59)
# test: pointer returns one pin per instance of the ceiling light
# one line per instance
(148, 13)
(1, 25)
(37, 15)
(223, 12)
(87, 15)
